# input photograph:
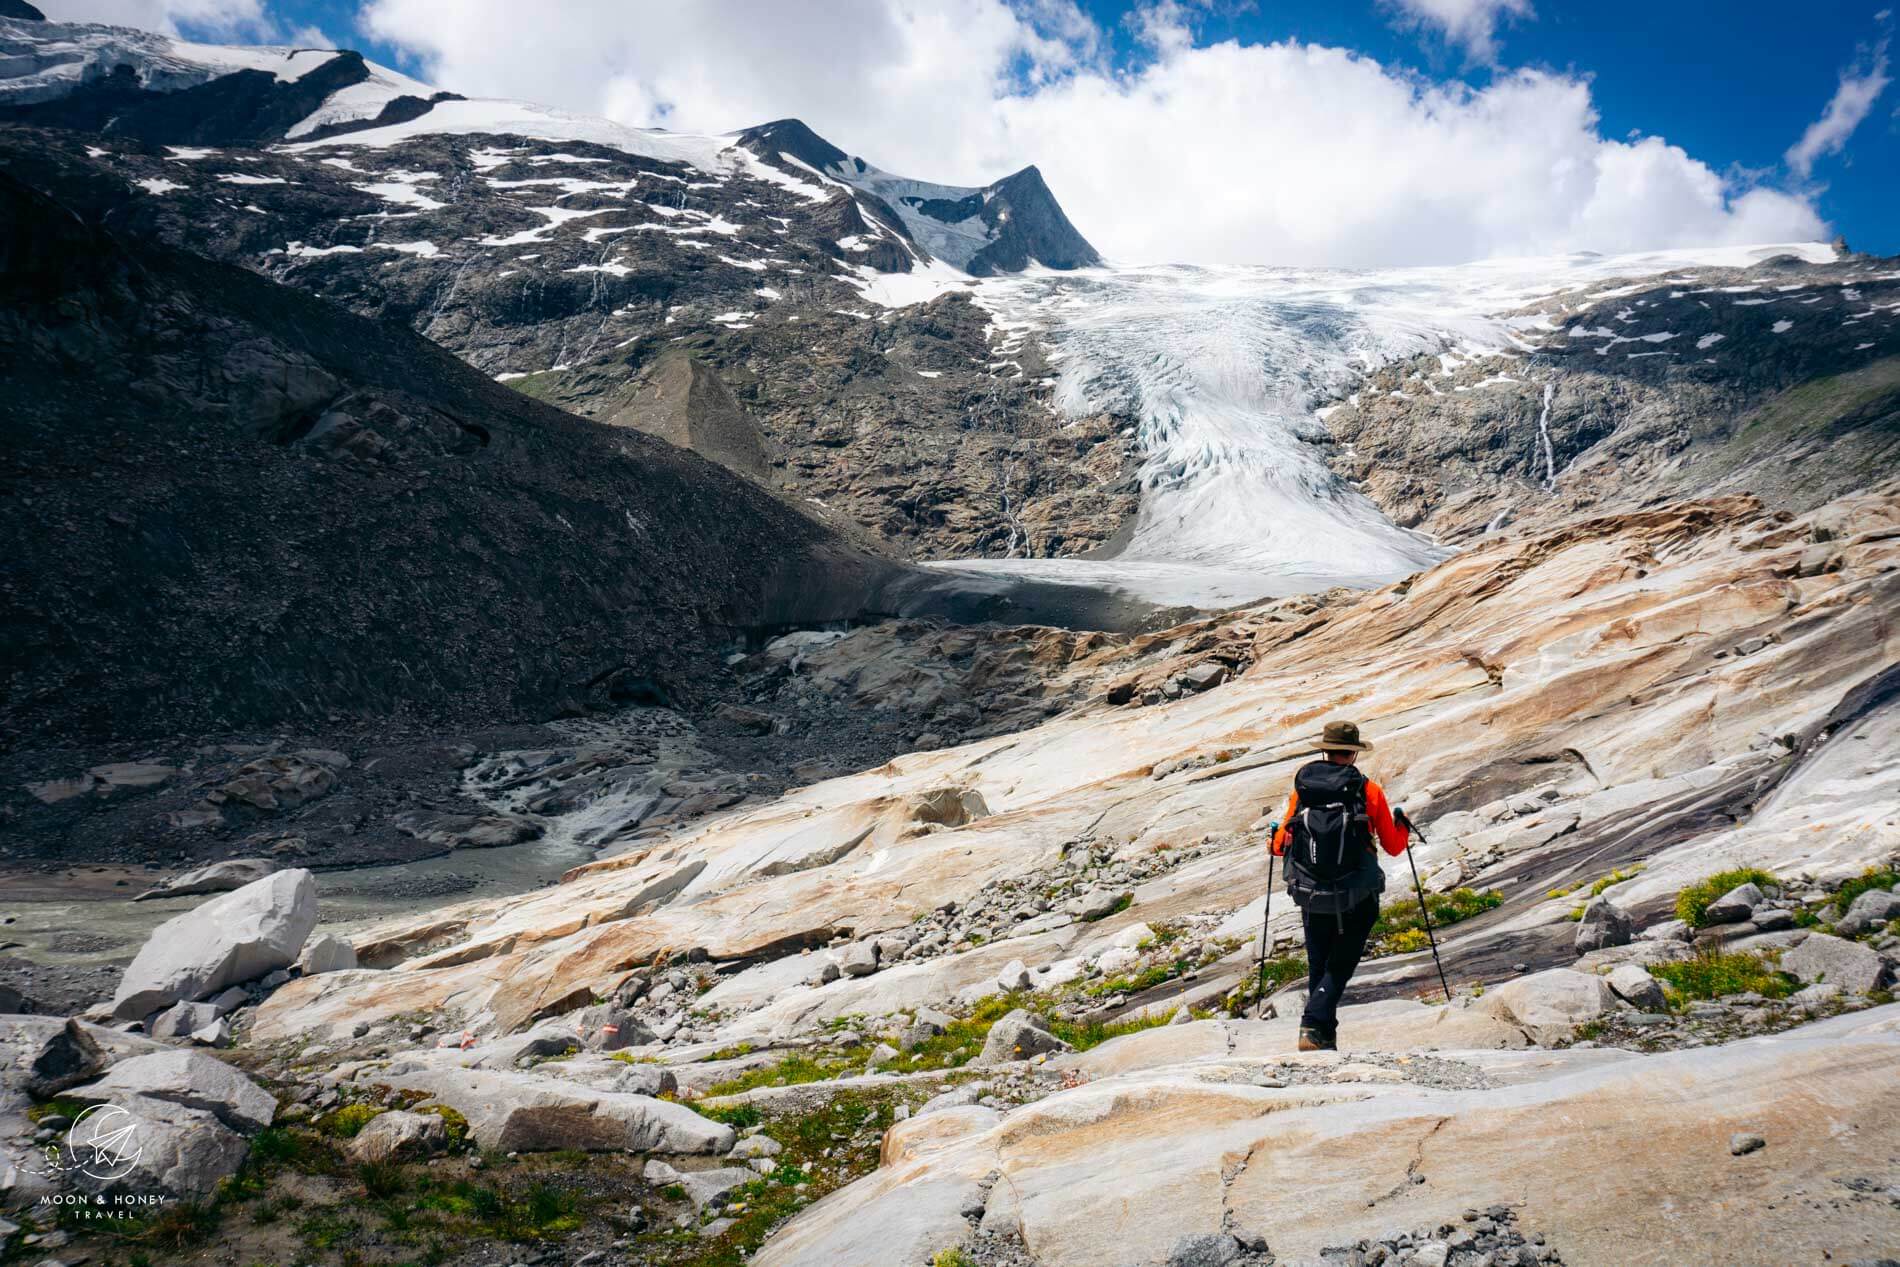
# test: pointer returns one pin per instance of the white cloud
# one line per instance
(1853, 99)
(1229, 152)
(1470, 23)
(230, 19)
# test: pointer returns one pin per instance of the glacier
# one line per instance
(1223, 372)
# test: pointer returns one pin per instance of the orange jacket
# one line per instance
(1392, 837)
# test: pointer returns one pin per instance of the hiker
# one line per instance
(1332, 873)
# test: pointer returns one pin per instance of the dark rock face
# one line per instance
(533, 259)
(1030, 228)
(249, 107)
(891, 425)
(20, 9)
(232, 504)
(1782, 380)
(1020, 221)
(571, 268)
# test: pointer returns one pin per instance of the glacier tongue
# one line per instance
(1221, 370)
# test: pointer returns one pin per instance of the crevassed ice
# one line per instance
(1222, 369)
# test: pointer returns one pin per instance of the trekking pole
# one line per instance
(1424, 912)
(1266, 910)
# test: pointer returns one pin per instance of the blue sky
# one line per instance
(1735, 83)
(1225, 132)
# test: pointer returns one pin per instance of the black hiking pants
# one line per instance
(1334, 944)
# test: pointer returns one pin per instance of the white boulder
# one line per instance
(1550, 1005)
(522, 1112)
(399, 1134)
(1018, 1036)
(1637, 988)
(326, 953)
(234, 937)
(1855, 968)
(187, 1078)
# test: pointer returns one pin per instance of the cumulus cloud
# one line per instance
(1229, 152)
(1859, 88)
(228, 19)
(1470, 23)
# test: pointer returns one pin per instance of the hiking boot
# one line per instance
(1312, 1040)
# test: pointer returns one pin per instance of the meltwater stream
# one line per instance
(1222, 371)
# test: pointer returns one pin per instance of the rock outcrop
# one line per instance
(1562, 663)
(1779, 380)
(1608, 1156)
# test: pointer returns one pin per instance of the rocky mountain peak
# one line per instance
(794, 139)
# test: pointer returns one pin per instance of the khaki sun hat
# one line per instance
(1342, 736)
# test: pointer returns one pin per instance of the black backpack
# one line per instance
(1331, 865)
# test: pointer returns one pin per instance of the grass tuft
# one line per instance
(1400, 929)
(1713, 974)
(1866, 882)
(1692, 904)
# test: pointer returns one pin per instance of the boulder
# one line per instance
(1212, 1249)
(1872, 908)
(326, 953)
(1735, 906)
(216, 1034)
(172, 1150)
(230, 1001)
(277, 782)
(955, 1098)
(1637, 988)
(1814, 998)
(1132, 937)
(399, 1134)
(1204, 676)
(13, 1003)
(610, 1027)
(235, 937)
(550, 1038)
(467, 831)
(756, 1146)
(181, 1020)
(1667, 930)
(219, 877)
(190, 1079)
(1117, 959)
(1604, 923)
(859, 960)
(1096, 903)
(1018, 1036)
(1014, 976)
(47, 1055)
(511, 1111)
(703, 1187)
(1550, 1005)
(1855, 968)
